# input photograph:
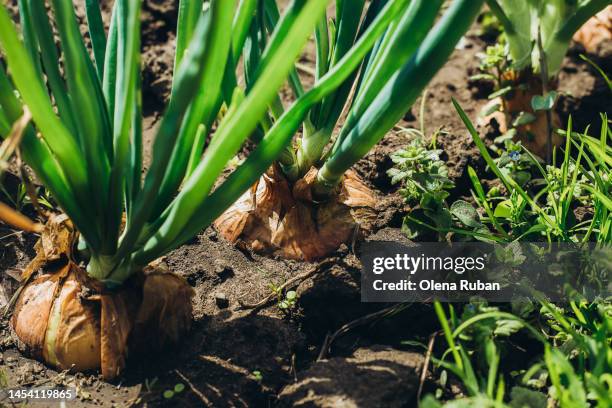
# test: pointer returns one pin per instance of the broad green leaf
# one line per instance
(524, 118)
(503, 209)
(544, 102)
(442, 218)
(466, 213)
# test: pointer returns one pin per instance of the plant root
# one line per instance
(363, 320)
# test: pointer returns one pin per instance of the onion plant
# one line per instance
(310, 202)
(538, 35)
(554, 22)
(85, 145)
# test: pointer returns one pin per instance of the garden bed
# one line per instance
(238, 356)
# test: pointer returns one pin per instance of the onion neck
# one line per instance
(100, 266)
(326, 183)
(107, 269)
(311, 149)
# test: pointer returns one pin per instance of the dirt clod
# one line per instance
(372, 377)
(221, 300)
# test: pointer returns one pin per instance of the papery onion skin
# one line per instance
(275, 218)
(66, 320)
(73, 333)
(31, 313)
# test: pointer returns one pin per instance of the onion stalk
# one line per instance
(310, 202)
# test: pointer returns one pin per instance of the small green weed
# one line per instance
(531, 354)
(171, 393)
(425, 184)
(570, 354)
(287, 301)
(527, 200)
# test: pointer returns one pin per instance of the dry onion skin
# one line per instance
(276, 218)
(595, 31)
(68, 320)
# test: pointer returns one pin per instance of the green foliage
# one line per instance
(544, 102)
(171, 393)
(494, 59)
(424, 181)
(566, 348)
(287, 301)
(89, 115)
(581, 361)
(21, 199)
(515, 162)
(466, 214)
(257, 375)
(495, 66)
(528, 201)
(290, 300)
(522, 397)
(489, 25)
(419, 170)
(554, 21)
(571, 366)
(393, 75)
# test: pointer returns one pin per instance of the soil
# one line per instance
(271, 357)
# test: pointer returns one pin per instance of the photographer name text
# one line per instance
(411, 265)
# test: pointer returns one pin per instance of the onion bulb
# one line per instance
(276, 218)
(72, 322)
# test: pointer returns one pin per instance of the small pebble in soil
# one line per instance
(223, 270)
(196, 276)
(212, 235)
(409, 116)
(221, 300)
(343, 249)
